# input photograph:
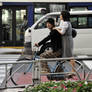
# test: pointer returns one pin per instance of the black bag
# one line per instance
(74, 33)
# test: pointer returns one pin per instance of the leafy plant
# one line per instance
(62, 86)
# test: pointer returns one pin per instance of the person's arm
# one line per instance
(63, 29)
(43, 41)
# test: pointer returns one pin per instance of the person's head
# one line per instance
(65, 15)
(50, 23)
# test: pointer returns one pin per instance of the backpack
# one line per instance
(74, 33)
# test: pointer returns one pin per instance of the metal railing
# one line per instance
(36, 70)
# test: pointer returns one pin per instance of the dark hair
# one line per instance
(51, 21)
(66, 15)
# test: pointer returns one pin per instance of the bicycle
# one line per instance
(59, 66)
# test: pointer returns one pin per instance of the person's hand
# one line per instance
(55, 28)
(36, 44)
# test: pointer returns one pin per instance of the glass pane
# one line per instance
(42, 24)
(74, 22)
(78, 9)
(7, 24)
(37, 16)
(57, 7)
(90, 21)
(40, 10)
(21, 24)
(82, 21)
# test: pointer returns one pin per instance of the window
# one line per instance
(74, 22)
(90, 21)
(78, 9)
(21, 24)
(42, 24)
(7, 24)
(77, 21)
(37, 16)
(82, 22)
(40, 10)
(57, 7)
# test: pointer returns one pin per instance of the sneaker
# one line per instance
(71, 75)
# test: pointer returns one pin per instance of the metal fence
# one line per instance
(36, 69)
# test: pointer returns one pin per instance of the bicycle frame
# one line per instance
(53, 69)
(34, 58)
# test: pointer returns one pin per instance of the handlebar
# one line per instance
(35, 49)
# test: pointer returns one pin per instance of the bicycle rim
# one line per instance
(12, 78)
(15, 73)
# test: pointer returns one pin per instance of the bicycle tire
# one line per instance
(58, 68)
(13, 76)
(57, 77)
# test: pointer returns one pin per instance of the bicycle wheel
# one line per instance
(17, 73)
(65, 69)
(78, 68)
(56, 68)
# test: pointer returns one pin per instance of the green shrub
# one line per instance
(63, 86)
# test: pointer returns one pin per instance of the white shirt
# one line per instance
(63, 26)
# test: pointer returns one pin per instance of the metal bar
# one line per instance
(6, 76)
(17, 86)
(83, 72)
(88, 75)
(79, 67)
(36, 73)
(21, 62)
(28, 68)
(75, 71)
(45, 60)
(71, 58)
(57, 73)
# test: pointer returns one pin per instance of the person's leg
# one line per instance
(48, 54)
(72, 62)
(44, 64)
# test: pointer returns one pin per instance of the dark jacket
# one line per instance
(55, 38)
